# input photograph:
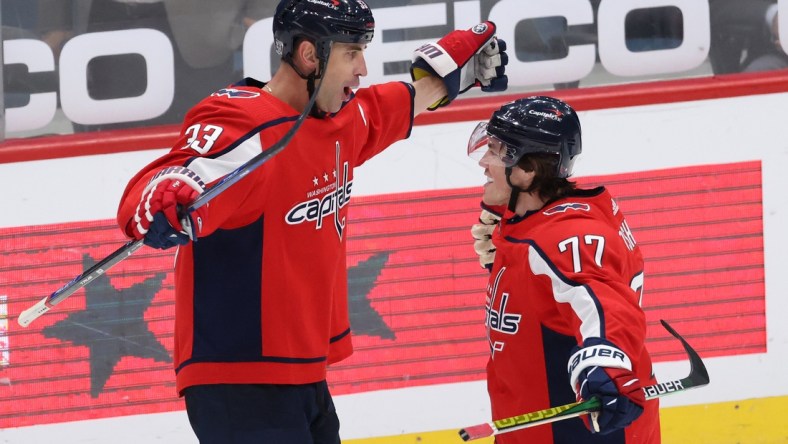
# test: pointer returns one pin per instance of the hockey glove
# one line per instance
(482, 233)
(600, 369)
(161, 219)
(463, 59)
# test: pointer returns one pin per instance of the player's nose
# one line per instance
(484, 161)
(361, 68)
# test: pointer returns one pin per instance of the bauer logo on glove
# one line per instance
(601, 370)
(463, 59)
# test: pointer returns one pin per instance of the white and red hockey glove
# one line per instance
(463, 59)
(482, 235)
(600, 369)
(161, 219)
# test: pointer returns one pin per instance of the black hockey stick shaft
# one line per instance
(698, 377)
(101, 267)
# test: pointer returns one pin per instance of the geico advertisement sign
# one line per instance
(157, 50)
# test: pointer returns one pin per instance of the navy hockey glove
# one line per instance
(463, 59)
(161, 219)
(600, 369)
(482, 234)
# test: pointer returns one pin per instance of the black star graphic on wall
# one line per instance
(364, 319)
(112, 326)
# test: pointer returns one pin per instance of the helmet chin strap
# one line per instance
(310, 89)
(515, 190)
(310, 83)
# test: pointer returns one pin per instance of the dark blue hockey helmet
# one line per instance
(537, 124)
(322, 22)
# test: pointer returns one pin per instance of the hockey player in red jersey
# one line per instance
(563, 312)
(261, 293)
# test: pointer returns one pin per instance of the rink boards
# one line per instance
(702, 184)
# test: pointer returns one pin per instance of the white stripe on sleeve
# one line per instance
(212, 169)
(578, 297)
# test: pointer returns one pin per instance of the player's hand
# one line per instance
(482, 234)
(463, 59)
(600, 369)
(161, 219)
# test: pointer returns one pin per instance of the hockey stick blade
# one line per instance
(34, 312)
(698, 377)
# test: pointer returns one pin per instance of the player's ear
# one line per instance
(522, 178)
(306, 56)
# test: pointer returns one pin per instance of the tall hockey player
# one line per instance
(261, 293)
(563, 312)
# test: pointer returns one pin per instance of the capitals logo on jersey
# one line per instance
(496, 317)
(564, 207)
(336, 196)
(232, 93)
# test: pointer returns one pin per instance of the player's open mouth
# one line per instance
(348, 91)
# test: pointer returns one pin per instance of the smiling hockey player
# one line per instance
(563, 312)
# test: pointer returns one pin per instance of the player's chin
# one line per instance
(491, 196)
(337, 102)
(330, 107)
(342, 97)
(346, 95)
(337, 107)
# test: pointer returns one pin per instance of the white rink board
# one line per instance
(614, 141)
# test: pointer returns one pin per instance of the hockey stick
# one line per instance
(698, 377)
(101, 267)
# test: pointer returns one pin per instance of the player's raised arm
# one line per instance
(454, 64)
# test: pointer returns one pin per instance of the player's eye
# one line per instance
(494, 147)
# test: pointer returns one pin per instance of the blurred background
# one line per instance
(72, 66)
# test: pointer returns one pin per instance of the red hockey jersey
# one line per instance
(261, 297)
(562, 274)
